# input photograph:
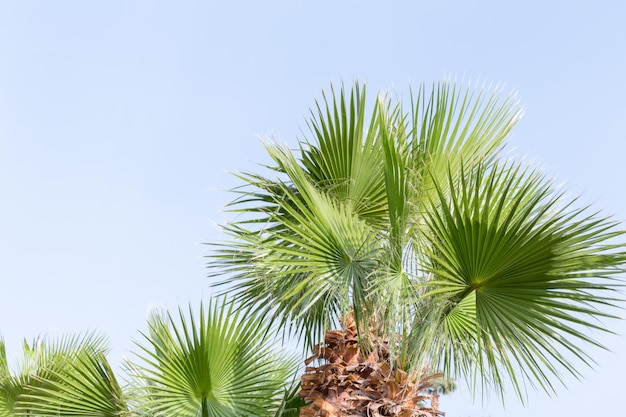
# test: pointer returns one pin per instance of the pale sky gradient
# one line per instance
(120, 119)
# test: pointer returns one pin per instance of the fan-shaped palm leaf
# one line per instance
(518, 274)
(218, 365)
(84, 386)
(44, 365)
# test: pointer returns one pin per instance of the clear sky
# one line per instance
(119, 121)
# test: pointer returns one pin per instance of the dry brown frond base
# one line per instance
(350, 384)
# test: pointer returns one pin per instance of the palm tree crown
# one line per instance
(411, 220)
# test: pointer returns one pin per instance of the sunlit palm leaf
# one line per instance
(43, 364)
(454, 126)
(519, 274)
(344, 159)
(314, 259)
(83, 386)
(217, 365)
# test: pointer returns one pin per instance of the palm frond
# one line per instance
(84, 385)
(519, 275)
(216, 365)
(344, 158)
(455, 125)
(311, 262)
(43, 365)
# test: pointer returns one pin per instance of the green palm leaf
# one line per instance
(454, 126)
(344, 159)
(84, 386)
(43, 368)
(217, 365)
(519, 275)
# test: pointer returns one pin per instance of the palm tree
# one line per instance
(218, 365)
(410, 224)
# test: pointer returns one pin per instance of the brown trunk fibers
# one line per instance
(348, 383)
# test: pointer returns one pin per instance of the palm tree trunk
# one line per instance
(348, 382)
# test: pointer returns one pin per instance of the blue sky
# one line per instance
(120, 120)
